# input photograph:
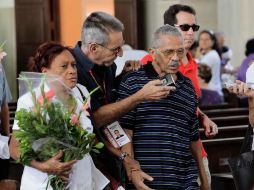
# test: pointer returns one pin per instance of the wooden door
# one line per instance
(36, 22)
(127, 12)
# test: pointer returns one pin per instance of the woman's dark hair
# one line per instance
(204, 72)
(249, 47)
(45, 54)
(213, 38)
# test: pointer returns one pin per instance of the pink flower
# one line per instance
(85, 107)
(2, 55)
(48, 95)
(74, 119)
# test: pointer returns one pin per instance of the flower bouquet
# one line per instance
(52, 122)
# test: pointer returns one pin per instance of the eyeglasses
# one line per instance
(114, 50)
(169, 53)
(186, 27)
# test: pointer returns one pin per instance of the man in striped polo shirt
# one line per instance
(183, 17)
(164, 132)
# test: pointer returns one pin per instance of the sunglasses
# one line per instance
(186, 27)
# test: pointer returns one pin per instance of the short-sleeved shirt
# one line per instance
(163, 130)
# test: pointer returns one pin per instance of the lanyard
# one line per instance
(103, 90)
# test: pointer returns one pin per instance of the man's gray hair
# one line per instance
(162, 31)
(97, 26)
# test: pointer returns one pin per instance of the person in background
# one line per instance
(5, 98)
(165, 136)
(55, 59)
(228, 71)
(208, 96)
(183, 17)
(101, 43)
(249, 52)
(220, 38)
(210, 55)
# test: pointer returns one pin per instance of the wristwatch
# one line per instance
(123, 155)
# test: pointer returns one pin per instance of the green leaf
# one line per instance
(96, 151)
(99, 145)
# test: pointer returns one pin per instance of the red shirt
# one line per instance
(189, 70)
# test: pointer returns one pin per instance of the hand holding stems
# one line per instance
(54, 166)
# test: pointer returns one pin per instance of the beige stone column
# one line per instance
(235, 18)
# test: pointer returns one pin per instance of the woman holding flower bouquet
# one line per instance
(75, 172)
